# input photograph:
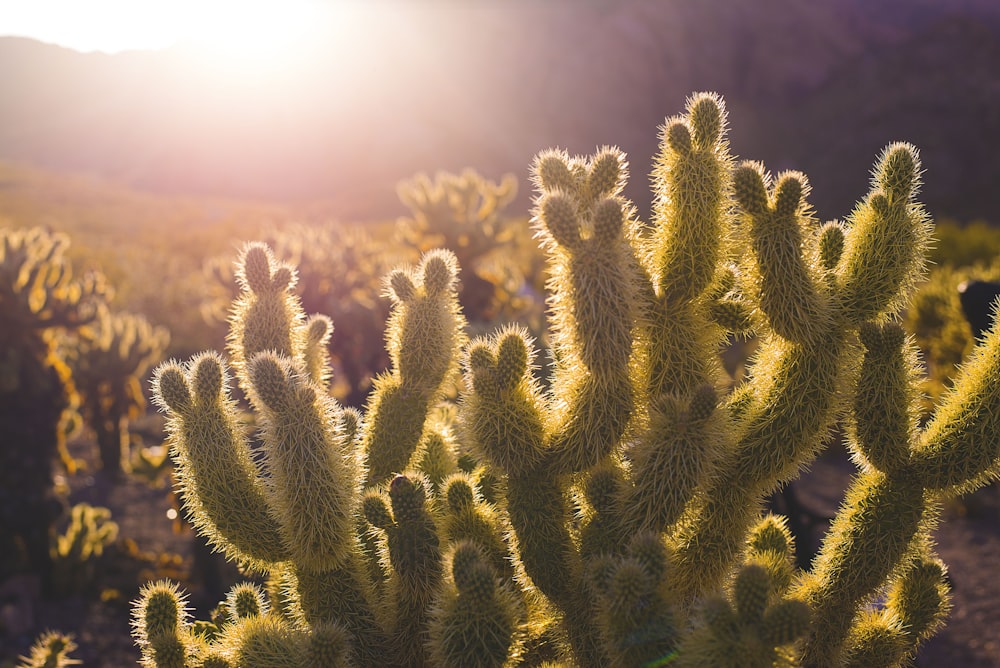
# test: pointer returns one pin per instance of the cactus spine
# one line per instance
(614, 519)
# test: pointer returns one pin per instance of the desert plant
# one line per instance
(50, 650)
(339, 269)
(38, 297)
(465, 213)
(109, 361)
(614, 519)
(75, 553)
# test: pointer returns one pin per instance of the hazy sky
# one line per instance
(116, 25)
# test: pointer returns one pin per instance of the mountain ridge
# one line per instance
(819, 87)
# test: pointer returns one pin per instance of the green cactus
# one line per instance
(615, 517)
(465, 213)
(109, 360)
(38, 298)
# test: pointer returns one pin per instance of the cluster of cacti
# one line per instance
(615, 518)
(38, 297)
(76, 551)
(50, 650)
(339, 268)
(465, 214)
(109, 361)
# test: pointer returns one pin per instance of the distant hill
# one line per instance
(817, 86)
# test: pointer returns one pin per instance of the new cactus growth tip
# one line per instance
(614, 519)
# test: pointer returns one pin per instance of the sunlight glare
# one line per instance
(258, 34)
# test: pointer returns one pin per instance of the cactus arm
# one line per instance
(474, 617)
(959, 451)
(594, 279)
(266, 316)
(886, 239)
(424, 334)
(314, 488)
(160, 625)
(881, 515)
(787, 290)
(221, 489)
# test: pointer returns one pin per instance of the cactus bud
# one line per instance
(207, 377)
(558, 213)
(256, 267)
(751, 592)
(707, 119)
(270, 381)
(678, 137)
(512, 360)
(159, 611)
(246, 600)
(407, 497)
(376, 510)
(607, 175)
(749, 187)
(402, 286)
(898, 171)
(459, 493)
(788, 193)
(831, 245)
(439, 269)
(703, 404)
(649, 550)
(318, 329)
(170, 386)
(284, 278)
(553, 172)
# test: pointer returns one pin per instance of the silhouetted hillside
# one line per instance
(816, 86)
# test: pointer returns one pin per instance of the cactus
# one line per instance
(38, 297)
(465, 213)
(75, 552)
(108, 361)
(615, 517)
(50, 650)
(339, 268)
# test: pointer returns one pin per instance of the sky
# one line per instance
(236, 27)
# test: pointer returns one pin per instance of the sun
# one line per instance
(257, 33)
(257, 39)
(252, 34)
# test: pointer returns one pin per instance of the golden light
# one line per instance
(233, 34)
(260, 36)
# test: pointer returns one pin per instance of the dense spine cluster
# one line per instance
(611, 516)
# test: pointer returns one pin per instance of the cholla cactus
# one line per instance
(339, 270)
(75, 552)
(109, 360)
(614, 519)
(38, 297)
(50, 650)
(465, 213)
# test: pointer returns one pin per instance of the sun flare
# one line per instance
(258, 33)
(251, 33)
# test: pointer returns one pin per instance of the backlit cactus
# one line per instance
(465, 213)
(109, 361)
(39, 297)
(50, 650)
(614, 518)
